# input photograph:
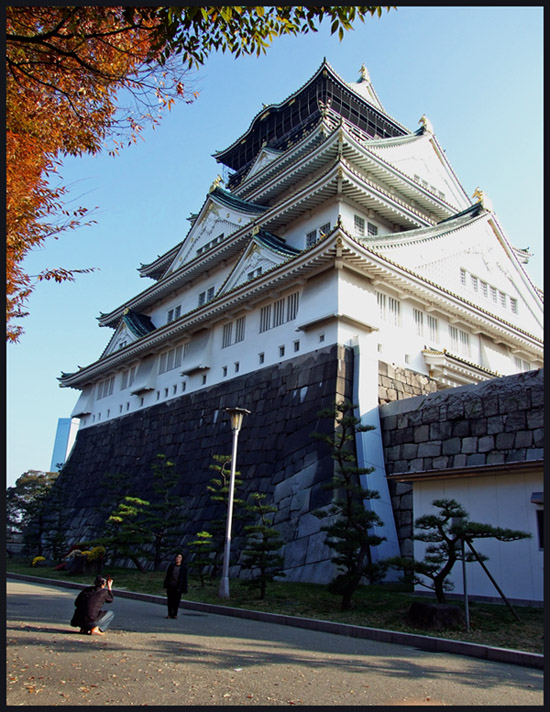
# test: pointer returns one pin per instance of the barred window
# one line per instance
(239, 329)
(105, 388)
(433, 328)
(394, 310)
(359, 225)
(372, 229)
(419, 322)
(128, 378)
(475, 283)
(503, 299)
(279, 312)
(514, 305)
(284, 309)
(485, 289)
(381, 301)
(233, 335)
(292, 306)
(463, 277)
(227, 334)
(265, 318)
(460, 341)
(389, 308)
(171, 359)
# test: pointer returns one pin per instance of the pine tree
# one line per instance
(349, 532)
(443, 532)
(219, 493)
(262, 543)
(201, 549)
(163, 518)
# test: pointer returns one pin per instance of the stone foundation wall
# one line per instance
(397, 384)
(276, 455)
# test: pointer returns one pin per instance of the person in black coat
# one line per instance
(175, 583)
(89, 615)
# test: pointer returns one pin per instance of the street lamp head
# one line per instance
(236, 415)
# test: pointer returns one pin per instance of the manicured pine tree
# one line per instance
(201, 549)
(262, 543)
(218, 489)
(443, 532)
(349, 532)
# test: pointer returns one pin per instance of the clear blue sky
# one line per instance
(476, 72)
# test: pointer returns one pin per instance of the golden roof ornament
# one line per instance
(426, 124)
(483, 198)
(215, 183)
(364, 72)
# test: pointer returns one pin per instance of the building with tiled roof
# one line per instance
(338, 231)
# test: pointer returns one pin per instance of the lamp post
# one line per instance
(236, 415)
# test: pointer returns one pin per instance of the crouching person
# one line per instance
(89, 615)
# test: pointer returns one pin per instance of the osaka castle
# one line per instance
(341, 258)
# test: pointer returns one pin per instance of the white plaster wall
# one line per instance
(503, 501)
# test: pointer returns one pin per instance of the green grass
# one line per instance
(382, 606)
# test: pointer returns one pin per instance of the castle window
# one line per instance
(177, 312)
(514, 305)
(419, 322)
(237, 366)
(170, 359)
(128, 378)
(503, 299)
(522, 365)
(475, 283)
(203, 379)
(311, 238)
(281, 351)
(227, 334)
(433, 328)
(324, 229)
(484, 289)
(170, 316)
(389, 308)
(494, 294)
(463, 277)
(265, 318)
(283, 310)
(224, 371)
(239, 329)
(394, 310)
(372, 229)
(359, 225)
(292, 306)
(255, 273)
(206, 296)
(261, 357)
(279, 312)
(460, 341)
(296, 346)
(105, 388)
(233, 336)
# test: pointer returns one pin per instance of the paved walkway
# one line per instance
(208, 659)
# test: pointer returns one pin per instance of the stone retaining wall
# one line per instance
(276, 454)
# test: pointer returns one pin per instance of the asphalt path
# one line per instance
(204, 659)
